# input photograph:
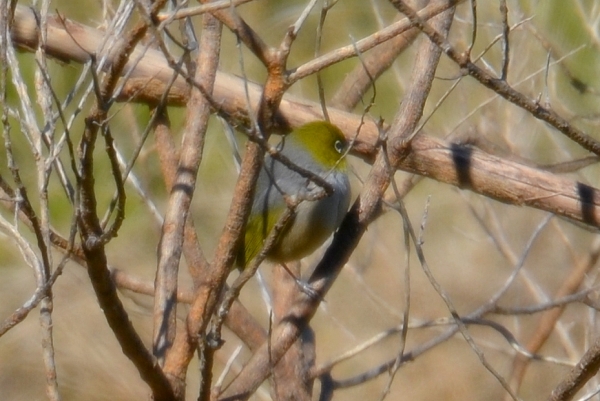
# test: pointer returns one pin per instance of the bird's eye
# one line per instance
(339, 146)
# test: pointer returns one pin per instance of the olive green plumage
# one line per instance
(318, 147)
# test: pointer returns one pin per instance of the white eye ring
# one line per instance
(339, 146)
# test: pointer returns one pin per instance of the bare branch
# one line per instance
(198, 113)
(346, 238)
(502, 87)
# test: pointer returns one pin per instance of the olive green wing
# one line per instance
(257, 230)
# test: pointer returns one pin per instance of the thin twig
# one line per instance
(344, 240)
(500, 86)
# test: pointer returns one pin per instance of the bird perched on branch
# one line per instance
(310, 178)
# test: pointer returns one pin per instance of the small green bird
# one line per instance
(319, 147)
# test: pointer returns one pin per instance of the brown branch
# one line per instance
(291, 378)
(374, 63)
(198, 113)
(501, 86)
(454, 163)
(509, 181)
(207, 295)
(91, 231)
(197, 10)
(246, 34)
(167, 272)
(369, 42)
(364, 210)
(505, 181)
(585, 370)
(168, 155)
(548, 320)
(239, 320)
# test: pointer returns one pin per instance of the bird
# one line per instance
(320, 148)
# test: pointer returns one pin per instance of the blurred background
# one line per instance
(472, 244)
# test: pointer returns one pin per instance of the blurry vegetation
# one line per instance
(472, 242)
